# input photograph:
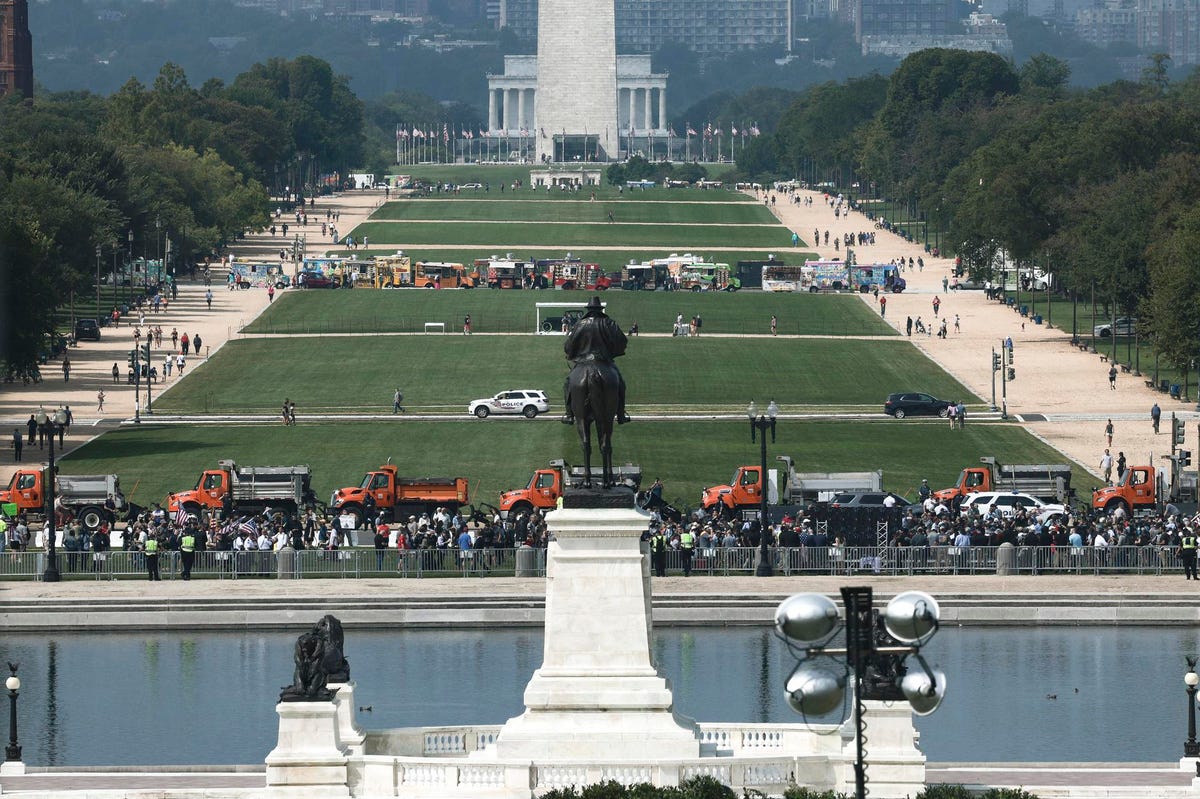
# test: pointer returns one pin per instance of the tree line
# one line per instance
(1100, 186)
(87, 180)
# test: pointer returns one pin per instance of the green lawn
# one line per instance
(443, 373)
(407, 310)
(499, 455)
(497, 208)
(522, 235)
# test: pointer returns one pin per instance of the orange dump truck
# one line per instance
(247, 489)
(547, 485)
(82, 495)
(399, 496)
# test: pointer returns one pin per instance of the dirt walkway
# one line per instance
(1054, 380)
(92, 362)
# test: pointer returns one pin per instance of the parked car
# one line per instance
(475, 186)
(87, 329)
(1006, 504)
(915, 404)
(1123, 325)
(875, 499)
(315, 280)
(527, 402)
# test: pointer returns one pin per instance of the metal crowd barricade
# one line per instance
(712, 561)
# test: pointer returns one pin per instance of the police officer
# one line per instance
(152, 558)
(187, 549)
(687, 548)
(658, 552)
(1187, 553)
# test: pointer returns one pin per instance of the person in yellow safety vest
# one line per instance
(687, 548)
(152, 559)
(1187, 553)
(187, 548)
(658, 552)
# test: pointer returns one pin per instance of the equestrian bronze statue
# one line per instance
(594, 391)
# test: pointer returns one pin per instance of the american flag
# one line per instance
(732, 130)
(247, 526)
(690, 130)
(708, 131)
(482, 135)
(181, 517)
(445, 133)
(470, 135)
(418, 134)
(754, 130)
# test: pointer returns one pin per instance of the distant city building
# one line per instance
(706, 26)
(16, 49)
(1171, 27)
(893, 19)
(984, 34)
(1116, 21)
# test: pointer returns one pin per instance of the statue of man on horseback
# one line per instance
(594, 390)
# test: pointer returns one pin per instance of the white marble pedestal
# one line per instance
(350, 735)
(310, 759)
(598, 693)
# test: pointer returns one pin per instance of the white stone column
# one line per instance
(662, 107)
(646, 103)
(598, 692)
(632, 108)
(493, 120)
(533, 123)
(521, 109)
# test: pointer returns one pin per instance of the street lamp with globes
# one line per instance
(12, 752)
(873, 661)
(761, 423)
(51, 424)
(1191, 747)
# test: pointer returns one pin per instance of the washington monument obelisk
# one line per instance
(576, 78)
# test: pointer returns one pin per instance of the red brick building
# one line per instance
(16, 49)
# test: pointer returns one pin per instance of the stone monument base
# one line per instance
(310, 759)
(12, 768)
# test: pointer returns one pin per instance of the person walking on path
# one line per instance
(937, 303)
(208, 298)
(18, 444)
(774, 325)
(952, 414)
(1112, 377)
(883, 307)
(397, 399)
(908, 327)
(270, 294)
(962, 414)
(1121, 466)
(1108, 433)
(1106, 464)
(32, 426)
(957, 326)
(1187, 553)
(100, 401)
(196, 343)
(66, 367)
(1155, 416)
(116, 373)
(467, 325)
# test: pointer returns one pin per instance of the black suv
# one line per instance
(87, 329)
(915, 404)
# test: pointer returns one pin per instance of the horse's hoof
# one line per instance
(623, 418)
(567, 419)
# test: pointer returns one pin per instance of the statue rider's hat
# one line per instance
(594, 304)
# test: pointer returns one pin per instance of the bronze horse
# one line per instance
(594, 401)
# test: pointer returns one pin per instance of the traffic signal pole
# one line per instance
(995, 368)
(146, 353)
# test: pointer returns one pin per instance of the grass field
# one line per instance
(407, 310)
(497, 209)
(444, 373)
(496, 455)
(522, 235)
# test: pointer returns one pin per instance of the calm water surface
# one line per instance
(183, 698)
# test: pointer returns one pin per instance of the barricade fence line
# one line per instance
(530, 562)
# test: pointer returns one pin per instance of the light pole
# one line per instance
(51, 424)
(12, 752)
(157, 248)
(760, 423)
(874, 657)
(99, 253)
(129, 239)
(1191, 748)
